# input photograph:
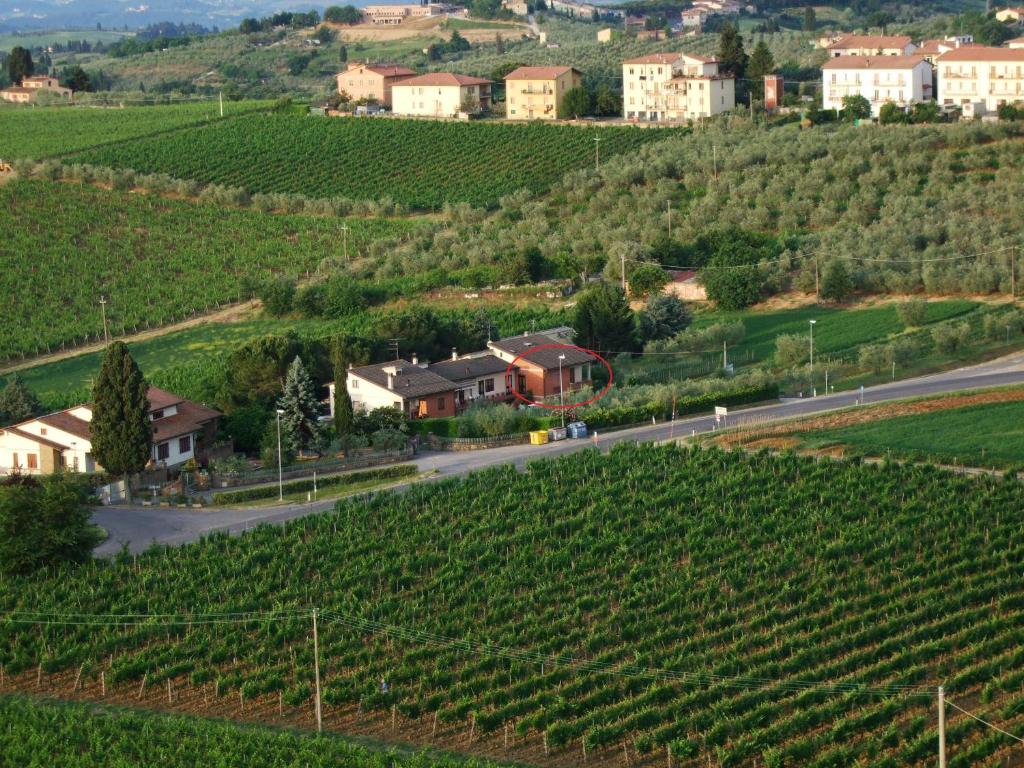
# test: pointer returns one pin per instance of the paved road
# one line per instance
(142, 526)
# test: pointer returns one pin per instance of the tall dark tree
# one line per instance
(76, 79)
(120, 430)
(298, 401)
(604, 321)
(19, 64)
(761, 63)
(344, 419)
(731, 56)
(810, 19)
(576, 103)
(17, 402)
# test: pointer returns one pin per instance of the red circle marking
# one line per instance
(531, 350)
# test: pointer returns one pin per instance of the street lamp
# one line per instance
(561, 389)
(280, 475)
(812, 354)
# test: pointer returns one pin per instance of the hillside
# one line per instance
(727, 607)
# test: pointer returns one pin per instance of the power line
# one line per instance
(985, 722)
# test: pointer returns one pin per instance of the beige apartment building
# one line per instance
(536, 93)
(675, 86)
(980, 79)
(871, 45)
(392, 15)
(372, 82)
(441, 94)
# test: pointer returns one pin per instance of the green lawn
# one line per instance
(980, 435)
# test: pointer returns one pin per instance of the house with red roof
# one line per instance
(440, 94)
(182, 430)
(371, 82)
(536, 93)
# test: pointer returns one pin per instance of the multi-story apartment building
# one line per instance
(902, 80)
(372, 82)
(871, 45)
(536, 93)
(441, 94)
(980, 79)
(675, 86)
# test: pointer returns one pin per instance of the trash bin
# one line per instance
(557, 433)
(540, 437)
(577, 430)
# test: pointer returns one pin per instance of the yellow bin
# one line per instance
(540, 437)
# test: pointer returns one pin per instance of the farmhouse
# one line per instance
(537, 373)
(182, 430)
(901, 80)
(871, 45)
(406, 386)
(480, 376)
(536, 93)
(32, 87)
(980, 79)
(372, 82)
(441, 94)
(675, 86)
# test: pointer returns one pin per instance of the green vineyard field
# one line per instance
(420, 164)
(45, 131)
(43, 734)
(651, 599)
(158, 260)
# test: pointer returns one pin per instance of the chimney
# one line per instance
(415, 359)
(391, 380)
(455, 354)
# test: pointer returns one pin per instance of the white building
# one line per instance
(871, 45)
(1017, 43)
(902, 80)
(62, 440)
(478, 377)
(440, 94)
(675, 86)
(980, 79)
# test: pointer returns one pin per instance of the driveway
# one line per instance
(139, 527)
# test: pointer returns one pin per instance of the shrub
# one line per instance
(950, 338)
(912, 312)
(791, 349)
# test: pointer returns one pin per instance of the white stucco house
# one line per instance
(902, 80)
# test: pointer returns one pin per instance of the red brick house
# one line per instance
(540, 357)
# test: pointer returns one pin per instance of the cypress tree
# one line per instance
(299, 403)
(17, 402)
(121, 433)
(344, 422)
(731, 56)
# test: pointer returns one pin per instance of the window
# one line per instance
(42, 430)
(185, 444)
(14, 461)
(163, 451)
(440, 403)
(489, 385)
(157, 414)
(355, 383)
(32, 460)
(572, 375)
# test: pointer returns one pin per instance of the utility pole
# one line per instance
(812, 322)
(103, 309)
(714, 158)
(817, 296)
(344, 240)
(597, 153)
(623, 259)
(280, 474)
(942, 728)
(1013, 272)
(725, 355)
(221, 96)
(561, 389)
(316, 675)
(668, 207)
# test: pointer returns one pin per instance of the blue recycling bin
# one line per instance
(577, 430)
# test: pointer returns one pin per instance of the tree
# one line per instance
(607, 103)
(912, 312)
(499, 45)
(343, 54)
(731, 56)
(856, 107)
(258, 369)
(344, 419)
(45, 523)
(499, 73)
(278, 296)
(925, 112)
(646, 280)
(603, 319)
(791, 349)
(17, 402)
(299, 403)
(525, 266)
(76, 79)
(343, 14)
(19, 64)
(810, 19)
(836, 283)
(663, 317)
(120, 431)
(761, 63)
(575, 104)
(891, 114)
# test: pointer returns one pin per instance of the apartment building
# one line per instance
(372, 82)
(980, 79)
(675, 86)
(441, 94)
(871, 45)
(536, 93)
(902, 80)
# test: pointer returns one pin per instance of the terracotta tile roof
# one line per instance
(655, 58)
(538, 73)
(34, 438)
(873, 62)
(871, 41)
(409, 381)
(983, 53)
(545, 358)
(470, 367)
(65, 422)
(443, 78)
(384, 70)
(18, 89)
(160, 398)
(191, 417)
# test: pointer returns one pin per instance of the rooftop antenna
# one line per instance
(393, 345)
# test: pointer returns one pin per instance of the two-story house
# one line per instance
(372, 82)
(901, 80)
(479, 377)
(539, 358)
(536, 93)
(441, 94)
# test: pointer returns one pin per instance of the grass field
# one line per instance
(421, 164)
(157, 260)
(39, 132)
(725, 606)
(60, 36)
(984, 435)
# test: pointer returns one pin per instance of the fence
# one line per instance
(237, 479)
(437, 443)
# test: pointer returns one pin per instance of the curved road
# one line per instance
(139, 527)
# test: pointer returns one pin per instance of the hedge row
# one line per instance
(623, 415)
(349, 478)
